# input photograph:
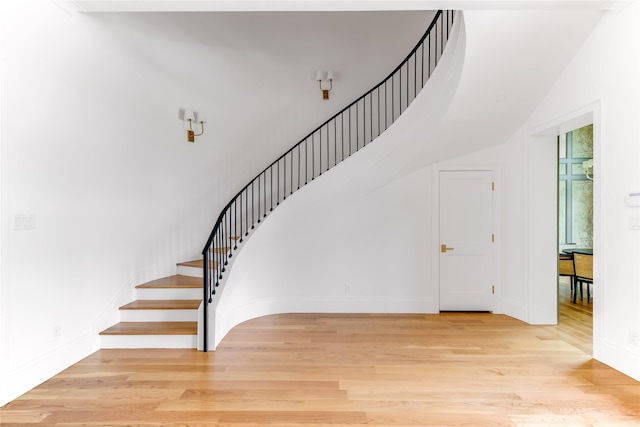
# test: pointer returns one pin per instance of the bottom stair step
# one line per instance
(150, 335)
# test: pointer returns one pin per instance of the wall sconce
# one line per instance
(587, 165)
(319, 75)
(189, 116)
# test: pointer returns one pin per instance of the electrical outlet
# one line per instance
(56, 332)
(347, 289)
(633, 338)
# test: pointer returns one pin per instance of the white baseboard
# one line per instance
(621, 359)
(29, 375)
(223, 322)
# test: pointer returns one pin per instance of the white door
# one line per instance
(465, 240)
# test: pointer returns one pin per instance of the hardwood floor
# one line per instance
(349, 370)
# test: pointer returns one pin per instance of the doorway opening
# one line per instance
(541, 247)
(575, 235)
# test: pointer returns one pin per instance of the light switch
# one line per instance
(24, 222)
(634, 223)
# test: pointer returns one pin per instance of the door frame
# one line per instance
(495, 206)
(540, 278)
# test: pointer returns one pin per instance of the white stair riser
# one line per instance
(189, 271)
(148, 341)
(168, 293)
(185, 270)
(158, 315)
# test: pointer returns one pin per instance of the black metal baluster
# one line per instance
(378, 119)
(241, 233)
(407, 85)
(447, 19)
(357, 128)
(278, 199)
(393, 99)
(264, 189)
(386, 104)
(415, 75)
(435, 62)
(246, 211)
(429, 63)
(227, 225)
(327, 147)
(320, 154)
(299, 165)
(232, 221)
(364, 119)
(335, 142)
(313, 157)
(342, 136)
(371, 117)
(422, 65)
(271, 188)
(441, 36)
(350, 132)
(400, 92)
(235, 224)
(220, 236)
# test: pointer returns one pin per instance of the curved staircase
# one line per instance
(166, 312)
(334, 141)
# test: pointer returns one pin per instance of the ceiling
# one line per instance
(334, 5)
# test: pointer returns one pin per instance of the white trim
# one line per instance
(268, 306)
(336, 5)
(580, 117)
(4, 238)
(496, 220)
(29, 375)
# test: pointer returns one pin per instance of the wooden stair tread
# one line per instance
(222, 250)
(179, 304)
(152, 328)
(177, 281)
(199, 263)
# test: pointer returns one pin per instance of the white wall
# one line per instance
(92, 146)
(119, 196)
(599, 86)
(357, 240)
(382, 261)
(602, 82)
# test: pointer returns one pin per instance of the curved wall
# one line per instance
(317, 251)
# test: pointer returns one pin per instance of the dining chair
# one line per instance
(565, 267)
(583, 268)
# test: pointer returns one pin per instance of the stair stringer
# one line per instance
(328, 215)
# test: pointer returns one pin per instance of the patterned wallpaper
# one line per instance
(582, 204)
(581, 189)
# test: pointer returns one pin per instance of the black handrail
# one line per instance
(367, 125)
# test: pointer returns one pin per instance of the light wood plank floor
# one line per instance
(349, 370)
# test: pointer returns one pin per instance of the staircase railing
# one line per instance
(338, 138)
